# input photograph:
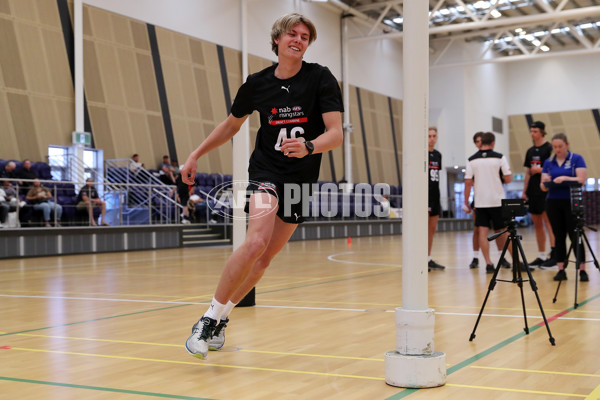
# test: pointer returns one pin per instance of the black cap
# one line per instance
(538, 124)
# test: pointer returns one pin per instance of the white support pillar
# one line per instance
(78, 64)
(346, 94)
(414, 363)
(241, 146)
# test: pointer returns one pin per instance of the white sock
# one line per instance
(215, 310)
(542, 255)
(428, 258)
(227, 310)
(476, 253)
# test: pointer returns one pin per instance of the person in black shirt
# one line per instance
(434, 206)
(534, 160)
(300, 107)
(88, 199)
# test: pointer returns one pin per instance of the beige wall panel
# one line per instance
(182, 47)
(203, 131)
(132, 87)
(87, 20)
(215, 85)
(22, 118)
(61, 83)
(166, 46)
(181, 135)
(120, 130)
(121, 30)
(91, 74)
(65, 116)
(112, 79)
(11, 65)
(196, 51)
(156, 130)
(24, 9)
(173, 87)
(9, 148)
(204, 101)
(189, 94)
(47, 14)
(46, 124)
(187, 138)
(34, 61)
(139, 31)
(520, 141)
(214, 158)
(102, 130)
(233, 61)
(5, 7)
(148, 81)
(140, 140)
(100, 24)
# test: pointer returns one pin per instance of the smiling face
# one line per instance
(294, 42)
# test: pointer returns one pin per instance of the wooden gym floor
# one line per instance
(112, 326)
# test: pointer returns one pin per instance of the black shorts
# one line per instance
(537, 204)
(490, 217)
(434, 207)
(183, 190)
(289, 211)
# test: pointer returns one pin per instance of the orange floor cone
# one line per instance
(349, 241)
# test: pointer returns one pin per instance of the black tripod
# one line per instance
(517, 278)
(577, 247)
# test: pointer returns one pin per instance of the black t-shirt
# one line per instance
(536, 156)
(435, 165)
(90, 192)
(288, 108)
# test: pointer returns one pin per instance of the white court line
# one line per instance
(331, 258)
(287, 307)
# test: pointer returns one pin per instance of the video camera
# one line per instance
(577, 200)
(512, 208)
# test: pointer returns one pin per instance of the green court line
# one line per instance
(479, 356)
(103, 389)
(93, 320)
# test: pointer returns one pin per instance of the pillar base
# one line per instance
(415, 371)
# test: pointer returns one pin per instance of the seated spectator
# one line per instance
(135, 166)
(196, 207)
(9, 171)
(26, 173)
(8, 202)
(41, 198)
(166, 172)
(88, 199)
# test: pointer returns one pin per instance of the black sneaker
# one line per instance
(522, 267)
(549, 263)
(504, 263)
(474, 263)
(583, 276)
(490, 268)
(433, 265)
(538, 261)
(561, 275)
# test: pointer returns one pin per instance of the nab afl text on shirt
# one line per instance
(288, 108)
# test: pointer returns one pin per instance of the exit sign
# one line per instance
(82, 138)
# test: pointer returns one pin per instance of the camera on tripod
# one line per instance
(513, 208)
(577, 200)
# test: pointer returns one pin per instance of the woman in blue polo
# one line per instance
(559, 173)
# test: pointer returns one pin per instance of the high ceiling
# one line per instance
(508, 29)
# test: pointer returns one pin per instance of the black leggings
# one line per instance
(563, 222)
